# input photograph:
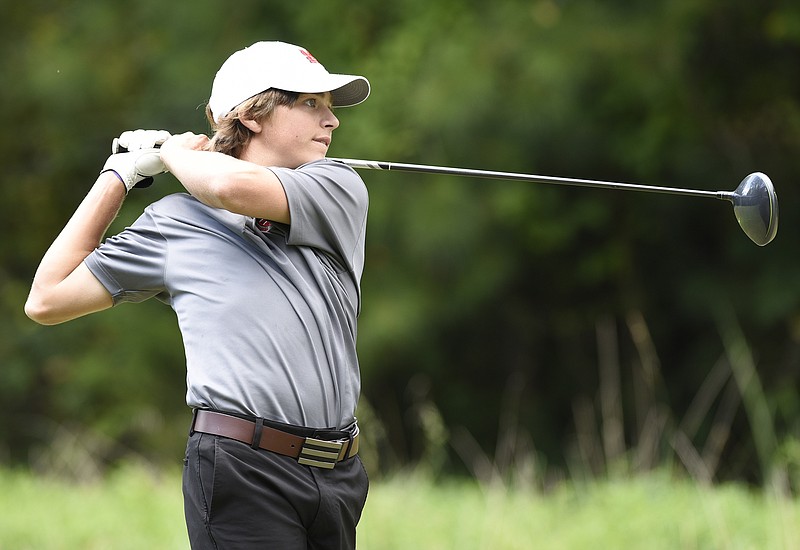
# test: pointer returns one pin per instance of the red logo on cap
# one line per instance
(310, 57)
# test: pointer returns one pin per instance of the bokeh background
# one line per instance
(508, 330)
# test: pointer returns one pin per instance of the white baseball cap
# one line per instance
(287, 67)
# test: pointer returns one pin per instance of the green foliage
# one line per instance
(471, 286)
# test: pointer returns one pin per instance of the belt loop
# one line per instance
(194, 419)
(259, 424)
(347, 446)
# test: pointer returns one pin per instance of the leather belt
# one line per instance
(309, 451)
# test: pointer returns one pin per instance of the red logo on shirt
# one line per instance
(311, 58)
(264, 225)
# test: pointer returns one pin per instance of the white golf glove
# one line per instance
(133, 140)
(135, 157)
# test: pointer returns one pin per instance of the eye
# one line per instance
(311, 102)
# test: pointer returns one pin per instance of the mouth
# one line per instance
(324, 140)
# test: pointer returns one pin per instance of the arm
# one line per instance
(63, 288)
(222, 181)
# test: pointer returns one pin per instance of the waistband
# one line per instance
(324, 449)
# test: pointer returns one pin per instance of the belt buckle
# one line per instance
(320, 453)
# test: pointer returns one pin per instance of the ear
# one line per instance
(252, 125)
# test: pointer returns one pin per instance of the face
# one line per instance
(295, 135)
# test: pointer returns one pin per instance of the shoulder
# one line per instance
(179, 205)
(324, 182)
(335, 169)
(175, 202)
(327, 165)
(323, 171)
(183, 208)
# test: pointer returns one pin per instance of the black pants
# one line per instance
(238, 497)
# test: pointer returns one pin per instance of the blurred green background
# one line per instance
(505, 326)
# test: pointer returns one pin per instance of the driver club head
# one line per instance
(755, 205)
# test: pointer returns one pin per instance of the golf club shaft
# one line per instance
(403, 167)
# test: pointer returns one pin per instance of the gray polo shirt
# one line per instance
(267, 311)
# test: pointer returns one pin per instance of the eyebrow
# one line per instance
(327, 97)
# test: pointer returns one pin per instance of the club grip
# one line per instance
(117, 148)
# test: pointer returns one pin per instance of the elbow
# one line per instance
(38, 311)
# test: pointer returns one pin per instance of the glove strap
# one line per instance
(122, 181)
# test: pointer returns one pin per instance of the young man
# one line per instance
(261, 262)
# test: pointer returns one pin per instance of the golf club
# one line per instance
(755, 203)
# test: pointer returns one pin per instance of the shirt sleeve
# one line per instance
(130, 265)
(328, 205)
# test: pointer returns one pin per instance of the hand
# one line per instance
(174, 149)
(187, 140)
(135, 157)
(136, 169)
(133, 140)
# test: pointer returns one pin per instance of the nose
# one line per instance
(330, 120)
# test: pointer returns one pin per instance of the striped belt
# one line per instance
(308, 451)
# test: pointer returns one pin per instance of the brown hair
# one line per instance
(230, 135)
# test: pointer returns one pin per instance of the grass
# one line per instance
(135, 508)
(131, 509)
(652, 512)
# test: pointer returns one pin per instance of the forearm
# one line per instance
(80, 236)
(84, 231)
(222, 181)
(204, 174)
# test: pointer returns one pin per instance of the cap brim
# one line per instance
(346, 90)
(354, 91)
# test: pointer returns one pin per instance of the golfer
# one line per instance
(261, 262)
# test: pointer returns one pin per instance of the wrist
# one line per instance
(114, 173)
(112, 181)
